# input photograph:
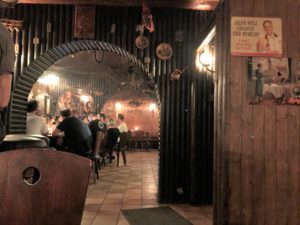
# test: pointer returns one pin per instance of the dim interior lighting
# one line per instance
(49, 79)
(206, 60)
(204, 6)
(152, 107)
(118, 106)
(84, 98)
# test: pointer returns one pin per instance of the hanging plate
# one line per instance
(164, 51)
(141, 42)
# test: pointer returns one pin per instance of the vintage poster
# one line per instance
(84, 21)
(274, 81)
(256, 36)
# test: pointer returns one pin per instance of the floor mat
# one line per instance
(154, 216)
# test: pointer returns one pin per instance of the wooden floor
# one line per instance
(130, 187)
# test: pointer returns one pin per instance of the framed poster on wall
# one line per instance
(256, 36)
(84, 25)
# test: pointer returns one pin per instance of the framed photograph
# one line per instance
(84, 26)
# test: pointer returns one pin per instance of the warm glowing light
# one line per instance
(136, 128)
(49, 79)
(204, 6)
(118, 106)
(152, 107)
(84, 98)
(205, 59)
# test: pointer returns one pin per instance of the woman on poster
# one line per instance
(259, 85)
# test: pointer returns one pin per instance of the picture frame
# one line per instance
(273, 80)
(84, 22)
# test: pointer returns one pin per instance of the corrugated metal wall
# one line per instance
(52, 24)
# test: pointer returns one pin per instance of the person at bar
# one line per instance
(35, 124)
(98, 129)
(7, 60)
(77, 135)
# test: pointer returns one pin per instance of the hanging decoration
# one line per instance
(147, 19)
(141, 41)
(164, 51)
(175, 75)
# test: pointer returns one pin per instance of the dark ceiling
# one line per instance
(184, 4)
(102, 66)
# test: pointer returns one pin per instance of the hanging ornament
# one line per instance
(147, 19)
(164, 51)
(141, 41)
(175, 75)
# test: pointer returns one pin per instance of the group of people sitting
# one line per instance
(74, 135)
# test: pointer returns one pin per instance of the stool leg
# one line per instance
(124, 156)
(118, 157)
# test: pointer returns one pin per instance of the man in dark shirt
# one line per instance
(7, 60)
(112, 138)
(98, 129)
(77, 135)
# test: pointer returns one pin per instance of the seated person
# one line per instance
(77, 135)
(112, 137)
(122, 126)
(98, 129)
(34, 123)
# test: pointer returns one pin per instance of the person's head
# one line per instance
(85, 120)
(75, 113)
(65, 113)
(111, 123)
(32, 106)
(120, 116)
(259, 65)
(279, 74)
(102, 116)
(268, 27)
(93, 116)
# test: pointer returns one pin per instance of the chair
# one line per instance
(96, 164)
(20, 141)
(42, 187)
(122, 146)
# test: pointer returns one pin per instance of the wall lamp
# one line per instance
(206, 52)
(206, 60)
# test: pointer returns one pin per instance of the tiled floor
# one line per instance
(129, 187)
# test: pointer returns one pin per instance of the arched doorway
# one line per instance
(42, 63)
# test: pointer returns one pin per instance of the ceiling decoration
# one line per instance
(183, 4)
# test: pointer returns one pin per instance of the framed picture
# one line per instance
(270, 80)
(84, 26)
(256, 36)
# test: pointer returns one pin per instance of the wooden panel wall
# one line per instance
(175, 96)
(257, 159)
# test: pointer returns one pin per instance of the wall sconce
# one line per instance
(206, 60)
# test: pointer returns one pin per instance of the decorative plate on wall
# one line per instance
(164, 51)
(141, 42)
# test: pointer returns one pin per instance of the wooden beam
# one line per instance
(183, 4)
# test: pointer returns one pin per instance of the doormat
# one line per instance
(154, 216)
